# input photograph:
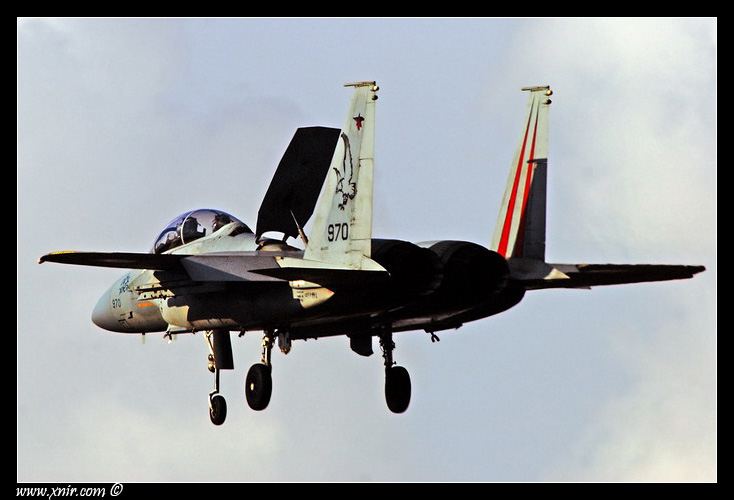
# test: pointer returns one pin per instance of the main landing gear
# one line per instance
(259, 380)
(397, 379)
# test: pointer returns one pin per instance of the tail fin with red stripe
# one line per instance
(520, 229)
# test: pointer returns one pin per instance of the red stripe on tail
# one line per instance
(504, 239)
(528, 181)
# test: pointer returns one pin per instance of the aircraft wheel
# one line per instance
(217, 409)
(397, 389)
(258, 386)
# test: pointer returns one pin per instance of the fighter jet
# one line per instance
(208, 272)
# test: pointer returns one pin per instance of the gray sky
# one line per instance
(124, 124)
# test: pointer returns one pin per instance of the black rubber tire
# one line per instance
(258, 386)
(397, 389)
(217, 410)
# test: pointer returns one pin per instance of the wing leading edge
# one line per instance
(122, 260)
(220, 267)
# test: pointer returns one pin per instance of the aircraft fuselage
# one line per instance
(433, 286)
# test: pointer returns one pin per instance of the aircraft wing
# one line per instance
(123, 260)
(220, 267)
(535, 275)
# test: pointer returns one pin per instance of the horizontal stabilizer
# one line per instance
(589, 275)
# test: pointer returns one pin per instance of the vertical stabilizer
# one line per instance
(342, 229)
(520, 229)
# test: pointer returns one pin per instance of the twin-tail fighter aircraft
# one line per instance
(209, 272)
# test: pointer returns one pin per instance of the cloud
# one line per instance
(634, 124)
(633, 167)
(662, 425)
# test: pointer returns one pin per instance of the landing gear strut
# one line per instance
(397, 379)
(259, 381)
(217, 404)
(220, 357)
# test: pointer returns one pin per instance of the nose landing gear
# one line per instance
(217, 404)
(258, 383)
(220, 358)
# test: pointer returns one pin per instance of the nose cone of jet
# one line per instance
(102, 316)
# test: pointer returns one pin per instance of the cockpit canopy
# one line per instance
(194, 225)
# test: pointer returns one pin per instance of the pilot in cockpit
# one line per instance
(193, 225)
